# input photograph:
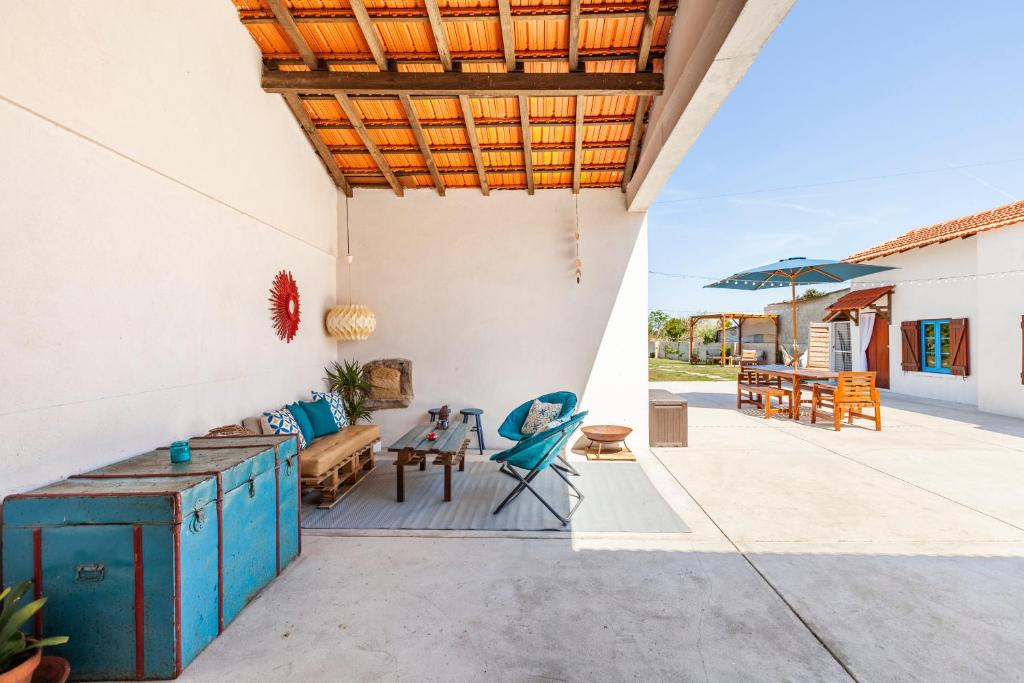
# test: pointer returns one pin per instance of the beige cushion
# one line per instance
(256, 425)
(328, 451)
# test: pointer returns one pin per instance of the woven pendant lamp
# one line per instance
(352, 322)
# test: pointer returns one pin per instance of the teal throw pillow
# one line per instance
(305, 426)
(320, 416)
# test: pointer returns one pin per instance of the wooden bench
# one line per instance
(334, 464)
(761, 394)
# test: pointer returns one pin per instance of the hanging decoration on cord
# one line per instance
(579, 261)
(284, 306)
(353, 322)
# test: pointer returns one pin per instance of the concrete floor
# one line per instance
(814, 555)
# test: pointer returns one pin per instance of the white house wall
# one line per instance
(997, 331)
(479, 293)
(149, 192)
(927, 300)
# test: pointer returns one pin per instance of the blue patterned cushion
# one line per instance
(334, 401)
(540, 416)
(283, 422)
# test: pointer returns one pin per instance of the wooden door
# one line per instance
(878, 353)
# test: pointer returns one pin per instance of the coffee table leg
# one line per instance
(400, 481)
(447, 481)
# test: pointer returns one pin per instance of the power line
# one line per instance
(841, 181)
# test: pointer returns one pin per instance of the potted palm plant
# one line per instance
(19, 654)
(349, 380)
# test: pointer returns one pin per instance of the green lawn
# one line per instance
(664, 370)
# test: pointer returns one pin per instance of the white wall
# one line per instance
(479, 292)
(149, 192)
(997, 328)
(922, 301)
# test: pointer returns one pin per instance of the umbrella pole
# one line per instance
(792, 284)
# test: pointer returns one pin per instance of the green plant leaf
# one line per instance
(47, 642)
(19, 618)
(10, 600)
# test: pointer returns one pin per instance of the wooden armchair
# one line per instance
(852, 392)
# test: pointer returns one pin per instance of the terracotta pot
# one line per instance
(23, 672)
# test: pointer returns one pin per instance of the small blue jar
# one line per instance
(180, 452)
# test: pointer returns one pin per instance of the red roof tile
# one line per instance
(966, 226)
(859, 298)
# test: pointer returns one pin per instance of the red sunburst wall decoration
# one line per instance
(284, 305)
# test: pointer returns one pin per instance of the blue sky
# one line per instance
(842, 91)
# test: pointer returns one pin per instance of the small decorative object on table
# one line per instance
(443, 416)
(229, 431)
(432, 436)
(180, 451)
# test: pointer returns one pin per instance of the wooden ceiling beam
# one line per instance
(287, 23)
(362, 18)
(406, 171)
(449, 124)
(302, 116)
(617, 54)
(357, 123)
(574, 34)
(634, 139)
(474, 144)
(646, 35)
(464, 83)
(538, 12)
(437, 28)
(467, 149)
(577, 143)
(421, 140)
(508, 33)
(524, 124)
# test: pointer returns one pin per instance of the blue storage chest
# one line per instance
(257, 503)
(129, 567)
(286, 453)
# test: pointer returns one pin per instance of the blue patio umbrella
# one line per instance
(796, 271)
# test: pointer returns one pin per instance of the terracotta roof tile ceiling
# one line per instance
(859, 298)
(967, 226)
(453, 139)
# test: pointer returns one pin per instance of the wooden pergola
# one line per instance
(738, 318)
(502, 96)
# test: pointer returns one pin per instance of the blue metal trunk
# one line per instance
(110, 555)
(252, 509)
(286, 451)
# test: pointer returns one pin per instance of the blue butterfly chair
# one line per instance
(512, 427)
(533, 455)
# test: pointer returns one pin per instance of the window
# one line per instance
(935, 347)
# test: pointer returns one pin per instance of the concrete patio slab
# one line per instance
(815, 555)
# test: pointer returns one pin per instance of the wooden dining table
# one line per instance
(794, 376)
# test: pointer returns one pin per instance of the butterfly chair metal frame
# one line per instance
(513, 424)
(540, 450)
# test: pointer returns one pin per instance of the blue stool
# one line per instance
(476, 413)
(434, 413)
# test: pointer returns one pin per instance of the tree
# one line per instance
(674, 329)
(707, 331)
(812, 293)
(656, 320)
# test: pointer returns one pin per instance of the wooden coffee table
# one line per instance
(413, 449)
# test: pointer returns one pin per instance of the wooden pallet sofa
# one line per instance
(335, 463)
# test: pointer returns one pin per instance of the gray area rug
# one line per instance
(618, 498)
